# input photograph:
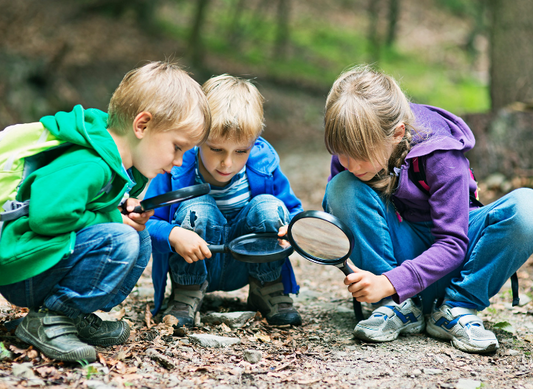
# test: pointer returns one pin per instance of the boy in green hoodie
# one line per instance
(77, 251)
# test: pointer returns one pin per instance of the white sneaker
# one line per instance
(463, 328)
(390, 320)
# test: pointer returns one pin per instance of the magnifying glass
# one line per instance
(169, 198)
(255, 248)
(317, 236)
(325, 240)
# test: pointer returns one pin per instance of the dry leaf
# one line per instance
(148, 317)
(262, 337)
(170, 320)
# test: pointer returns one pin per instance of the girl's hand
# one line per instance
(368, 287)
(134, 219)
(189, 245)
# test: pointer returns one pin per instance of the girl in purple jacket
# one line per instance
(422, 246)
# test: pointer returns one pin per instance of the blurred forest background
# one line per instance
(472, 57)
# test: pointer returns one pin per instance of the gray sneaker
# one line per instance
(55, 335)
(273, 304)
(95, 331)
(185, 301)
(463, 327)
(390, 320)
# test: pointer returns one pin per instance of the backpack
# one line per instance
(25, 148)
(418, 170)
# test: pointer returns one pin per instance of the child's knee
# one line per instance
(346, 186)
(269, 210)
(521, 201)
(199, 210)
(123, 241)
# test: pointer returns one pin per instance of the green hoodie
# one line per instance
(64, 195)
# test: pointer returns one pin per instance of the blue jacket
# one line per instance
(264, 176)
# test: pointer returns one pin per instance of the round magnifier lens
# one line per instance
(257, 246)
(321, 239)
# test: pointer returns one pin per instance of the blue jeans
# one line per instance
(105, 265)
(264, 213)
(500, 234)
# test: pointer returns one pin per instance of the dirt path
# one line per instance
(321, 353)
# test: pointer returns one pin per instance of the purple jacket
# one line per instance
(440, 144)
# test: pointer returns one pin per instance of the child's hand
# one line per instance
(189, 245)
(134, 219)
(368, 287)
(282, 232)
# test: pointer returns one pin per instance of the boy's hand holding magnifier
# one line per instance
(131, 218)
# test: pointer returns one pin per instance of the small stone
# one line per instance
(23, 370)
(231, 319)
(207, 340)
(468, 384)
(252, 356)
(433, 371)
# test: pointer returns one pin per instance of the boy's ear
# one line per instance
(141, 123)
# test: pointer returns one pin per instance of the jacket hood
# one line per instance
(263, 159)
(87, 128)
(438, 129)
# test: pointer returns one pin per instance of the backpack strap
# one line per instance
(419, 173)
(14, 209)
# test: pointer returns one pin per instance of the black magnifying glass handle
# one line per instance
(357, 308)
(217, 248)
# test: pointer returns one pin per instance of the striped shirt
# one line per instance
(233, 197)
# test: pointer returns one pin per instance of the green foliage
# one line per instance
(505, 326)
(4, 352)
(319, 51)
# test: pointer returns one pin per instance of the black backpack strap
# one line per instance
(418, 170)
(514, 289)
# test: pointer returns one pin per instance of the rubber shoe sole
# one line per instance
(439, 333)
(390, 320)
(83, 353)
(463, 328)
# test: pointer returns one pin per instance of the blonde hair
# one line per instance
(236, 108)
(166, 91)
(363, 110)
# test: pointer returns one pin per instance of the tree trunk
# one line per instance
(373, 35)
(511, 52)
(234, 30)
(196, 50)
(282, 34)
(394, 13)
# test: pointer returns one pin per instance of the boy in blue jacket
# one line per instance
(249, 194)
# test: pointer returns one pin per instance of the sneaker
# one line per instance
(186, 301)
(95, 331)
(273, 304)
(390, 320)
(55, 335)
(463, 328)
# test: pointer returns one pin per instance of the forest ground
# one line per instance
(320, 353)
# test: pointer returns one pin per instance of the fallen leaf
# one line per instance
(262, 337)
(148, 317)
